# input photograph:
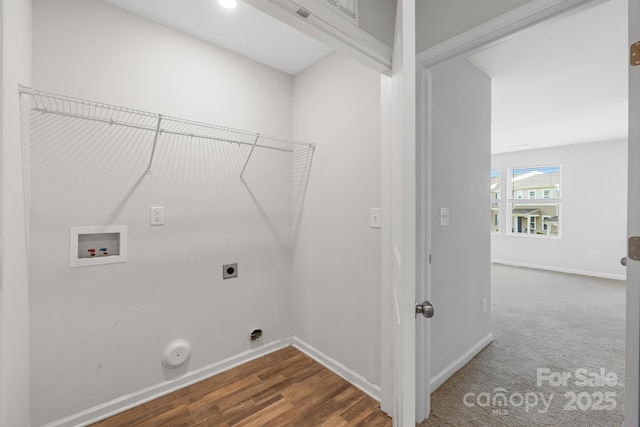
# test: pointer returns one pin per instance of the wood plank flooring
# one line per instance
(284, 388)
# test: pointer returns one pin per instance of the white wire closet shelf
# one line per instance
(52, 103)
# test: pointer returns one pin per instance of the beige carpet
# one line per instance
(543, 320)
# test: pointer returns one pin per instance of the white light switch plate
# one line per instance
(444, 217)
(374, 218)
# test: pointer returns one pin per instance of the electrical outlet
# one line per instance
(484, 306)
(157, 215)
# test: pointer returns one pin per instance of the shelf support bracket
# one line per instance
(246, 162)
(155, 142)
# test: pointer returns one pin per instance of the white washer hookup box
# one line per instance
(97, 245)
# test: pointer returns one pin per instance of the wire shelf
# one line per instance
(62, 105)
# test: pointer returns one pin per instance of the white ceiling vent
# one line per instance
(347, 9)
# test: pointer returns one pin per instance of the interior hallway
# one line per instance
(551, 320)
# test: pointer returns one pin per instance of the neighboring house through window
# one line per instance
(539, 213)
(546, 226)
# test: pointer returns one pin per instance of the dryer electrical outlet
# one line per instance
(229, 271)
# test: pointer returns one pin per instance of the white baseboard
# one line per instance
(354, 378)
(442, 376)
(562, 270)
(132, 400)
(129, 401)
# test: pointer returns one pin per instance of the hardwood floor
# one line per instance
(284, 388)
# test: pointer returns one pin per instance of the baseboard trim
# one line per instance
(129, 401)
(459, 363)
(561, 269)
(333, 365)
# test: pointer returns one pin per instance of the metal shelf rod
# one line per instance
(94, 119)
(66, 106)
(152, 129)
(213, 138)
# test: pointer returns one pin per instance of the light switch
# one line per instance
(374, 218)
(444, 217)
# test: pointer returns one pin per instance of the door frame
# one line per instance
(530, 16)
(398, 238)
(632, 348)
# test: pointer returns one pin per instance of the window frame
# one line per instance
(496, 199)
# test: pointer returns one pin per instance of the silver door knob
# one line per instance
(426, 309)
(623, 261)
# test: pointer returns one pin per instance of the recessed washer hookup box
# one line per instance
(97, 245)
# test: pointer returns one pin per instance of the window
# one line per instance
(495, 186)
(539, 213)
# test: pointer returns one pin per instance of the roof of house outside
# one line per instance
(542, 180)
(524, 211)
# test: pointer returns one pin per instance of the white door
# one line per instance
(400, 256)
(632, 363)
(458, 161)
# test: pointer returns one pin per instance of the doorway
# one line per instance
(517, 225)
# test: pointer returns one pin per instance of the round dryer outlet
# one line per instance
(176, 353)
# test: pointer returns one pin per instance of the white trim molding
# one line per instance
(502, 28)
(442, 376)
(338, 368)
(561, 269)
(121, 404)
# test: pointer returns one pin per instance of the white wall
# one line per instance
(460, 270)
(97, 332)
(378, 17)
(14, 285)
(336, 257)
(439, 20)
(593, 212)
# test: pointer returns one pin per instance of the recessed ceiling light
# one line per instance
(228, 4)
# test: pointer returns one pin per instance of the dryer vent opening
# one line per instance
(256, 335)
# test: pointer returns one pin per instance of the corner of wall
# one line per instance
(14, 299)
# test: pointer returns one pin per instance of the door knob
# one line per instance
(623, 261)
(426, 309)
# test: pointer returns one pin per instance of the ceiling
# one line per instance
(243, 30)
(565, 83)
